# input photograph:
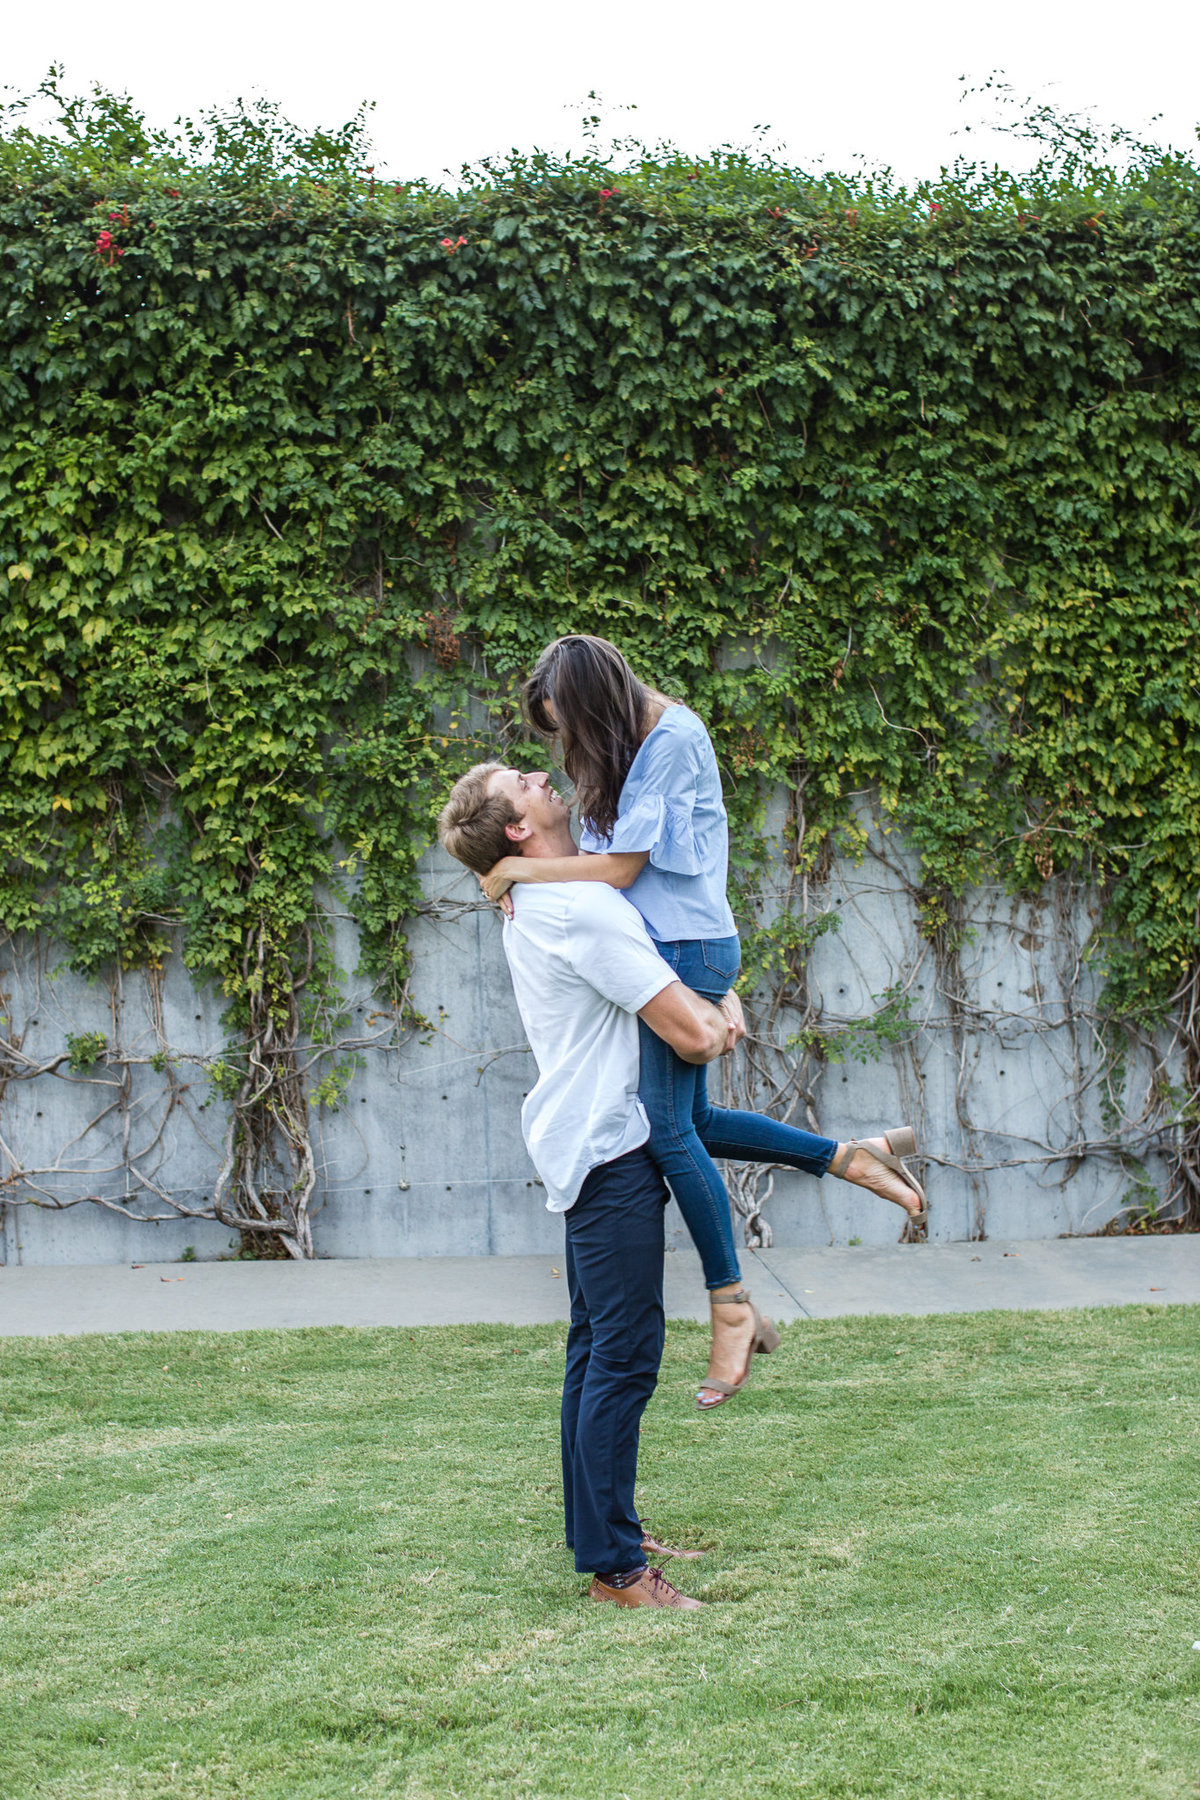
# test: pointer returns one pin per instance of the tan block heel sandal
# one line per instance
(901, 1142)
(765, 1339)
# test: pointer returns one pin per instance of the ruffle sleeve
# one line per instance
(662, 826)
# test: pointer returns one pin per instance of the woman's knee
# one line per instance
(704, 1121)
(678, 1150)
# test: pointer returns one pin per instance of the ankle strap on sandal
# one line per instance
(741, 1298)
(839, 1164)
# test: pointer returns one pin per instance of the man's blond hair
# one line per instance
(471, 824)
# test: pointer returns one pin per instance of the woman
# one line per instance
(654, 824)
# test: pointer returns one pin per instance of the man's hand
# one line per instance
(730, 1008)
(696, 1030)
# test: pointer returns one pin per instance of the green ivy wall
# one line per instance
(298, 472)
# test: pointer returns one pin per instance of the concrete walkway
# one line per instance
(531, 1290)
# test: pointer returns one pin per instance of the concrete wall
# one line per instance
(425, 1156)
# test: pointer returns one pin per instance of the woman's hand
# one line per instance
(505, 902)
(500, 877)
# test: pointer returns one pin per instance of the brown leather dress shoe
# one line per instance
(652, 1547)
(650, 1589)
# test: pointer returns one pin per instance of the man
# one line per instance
(584, 971)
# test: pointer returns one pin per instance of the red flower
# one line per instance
(171, 193)
(105, 247)
(935, 206)
(607, 193)
(447, 244)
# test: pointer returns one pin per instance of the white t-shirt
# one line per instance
(582, 967)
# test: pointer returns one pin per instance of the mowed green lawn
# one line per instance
(946, 1557)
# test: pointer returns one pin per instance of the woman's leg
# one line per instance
(668, 1092)
(710, 968)
(672, 1092)
(754, 1137)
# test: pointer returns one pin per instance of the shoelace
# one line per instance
(659, 1580)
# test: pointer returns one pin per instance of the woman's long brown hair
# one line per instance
(599, 716)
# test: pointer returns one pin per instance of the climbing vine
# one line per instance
(299, 469)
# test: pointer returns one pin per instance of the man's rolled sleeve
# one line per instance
(610, 948)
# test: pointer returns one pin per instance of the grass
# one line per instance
(952, 1558)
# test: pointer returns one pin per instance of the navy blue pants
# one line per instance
(614, 1346)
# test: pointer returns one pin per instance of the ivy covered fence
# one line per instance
(300, 469)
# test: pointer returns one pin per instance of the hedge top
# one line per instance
(299, 470)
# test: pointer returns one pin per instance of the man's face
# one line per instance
(538, 805)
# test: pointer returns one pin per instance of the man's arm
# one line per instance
(697, 1031)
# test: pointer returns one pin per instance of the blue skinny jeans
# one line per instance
(687, 1131)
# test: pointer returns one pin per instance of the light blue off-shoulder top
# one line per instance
(671, 807)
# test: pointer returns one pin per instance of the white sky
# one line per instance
(837, 83)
